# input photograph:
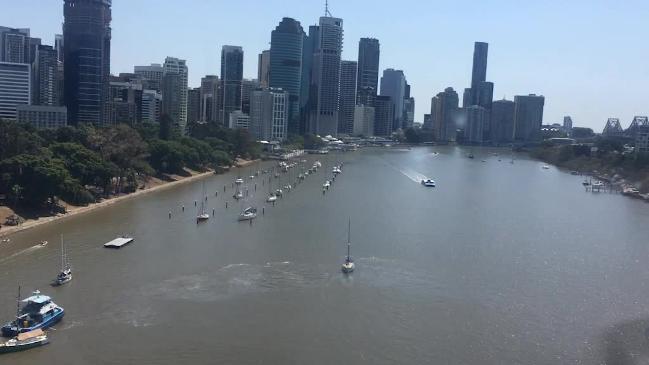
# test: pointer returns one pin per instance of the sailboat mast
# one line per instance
(349, 237)
(18, 303)
(62, 254)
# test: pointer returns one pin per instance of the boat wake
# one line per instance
(19, 253)
(413, 175)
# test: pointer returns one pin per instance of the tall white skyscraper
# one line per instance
(174, 91)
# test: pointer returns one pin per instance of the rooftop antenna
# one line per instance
(327, 12)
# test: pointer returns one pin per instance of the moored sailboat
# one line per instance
(65, 275)
(348, 266)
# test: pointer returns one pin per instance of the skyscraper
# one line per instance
(14, 45)
(393, 84)
(125, 99)
(307, 88)
(247, 86)
(194, 105)
(479, 73)
(58, 46)
(348, 71)
(209, 99)
(15, 88)
(269, 114)
(325, 76)
(152, 74)
(502, 121)
(151, 106)
(567, 125)
(369, 51)
(174, 91)
(444, 114)
(45, 87)
(231, 79)
(286, 65)
(528, 117)
(383, 116)
(477, 118)
(263, 68)
(364, 116)
(86, 39)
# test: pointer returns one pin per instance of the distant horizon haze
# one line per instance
(588, 58)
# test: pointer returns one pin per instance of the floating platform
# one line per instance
(119, 242)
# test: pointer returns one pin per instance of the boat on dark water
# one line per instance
(24, 341)
(36, 312)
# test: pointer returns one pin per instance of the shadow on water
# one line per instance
(627, 343)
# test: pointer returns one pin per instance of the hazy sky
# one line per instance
(589, 58)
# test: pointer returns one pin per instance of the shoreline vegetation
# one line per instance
(49, 174)
(153, 185)
(606, 160)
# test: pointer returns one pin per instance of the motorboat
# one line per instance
(471, 155)
(271, 198)
(279, 192)
(428, 182)
(24, 341)
(36, 312)
(238, 195)
(546, 167)
(43, 243)
(65, 275)
(238, 181)
(202, 217)
(248, 214)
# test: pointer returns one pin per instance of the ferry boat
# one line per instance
(37, 312)
(24, 341)
(428, 182)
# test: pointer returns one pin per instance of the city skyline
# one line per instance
(572, 70)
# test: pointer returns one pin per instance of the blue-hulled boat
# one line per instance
(37, 312)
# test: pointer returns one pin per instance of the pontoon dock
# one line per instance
(119, 242)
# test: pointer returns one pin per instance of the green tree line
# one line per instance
(86, 163)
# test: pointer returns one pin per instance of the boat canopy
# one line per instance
(31, 334)
(37, 299)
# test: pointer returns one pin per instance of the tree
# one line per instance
(580, 132)
(166, 156)
(312, 142)
(412, 135)
(85, 165)
(167, 130)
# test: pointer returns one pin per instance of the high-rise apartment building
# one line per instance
(43, 116)
(15, 88)
(269, 114)
(528, 117)
(231, 80)
(369, 51)
(14, 45)
(348, 71)
(393, 84)
(86, 36)
(325, 76)
(151, 106)
(444, 113)
(383, 116)
(45, 85)
(152, 74)
(174, 91)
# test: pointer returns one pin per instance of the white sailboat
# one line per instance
(202, 216)
(65, 276)
(348, 266)
(272, 197)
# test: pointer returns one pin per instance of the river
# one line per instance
(499, 264)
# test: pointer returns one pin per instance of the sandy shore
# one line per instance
(74, 211)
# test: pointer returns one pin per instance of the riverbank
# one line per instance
(151, 185)
(618, 172)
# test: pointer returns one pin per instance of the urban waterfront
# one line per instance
(499, 264)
